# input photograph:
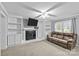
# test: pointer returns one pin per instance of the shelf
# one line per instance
(14, 29)
(14, 23)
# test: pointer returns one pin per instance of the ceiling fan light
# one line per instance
(44, 15)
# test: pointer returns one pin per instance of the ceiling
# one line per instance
(65, 10)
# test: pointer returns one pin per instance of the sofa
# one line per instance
(66, 40)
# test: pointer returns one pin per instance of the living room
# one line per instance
(39, 28)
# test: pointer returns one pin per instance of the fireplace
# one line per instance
(30, 35)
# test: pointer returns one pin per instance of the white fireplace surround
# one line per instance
(30, 29)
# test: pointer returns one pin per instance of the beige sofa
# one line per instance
(66, 40)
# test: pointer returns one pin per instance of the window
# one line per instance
(58, 27)
(63, 26)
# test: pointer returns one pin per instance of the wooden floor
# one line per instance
(41, 48)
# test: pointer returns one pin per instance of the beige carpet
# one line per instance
(41, 48)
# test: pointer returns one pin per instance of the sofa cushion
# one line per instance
(59, 40)
(67, 37)
(54, 35)
(69, 34)
(70, 40)
(60, 36)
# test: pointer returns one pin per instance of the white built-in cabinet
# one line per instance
(14, 31)
(10, 31)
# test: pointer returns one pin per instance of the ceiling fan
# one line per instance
(45, 12)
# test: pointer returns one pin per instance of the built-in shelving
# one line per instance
(14, 31)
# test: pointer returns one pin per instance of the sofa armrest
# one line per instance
(70, 40)
(71, 44)
(49, 35)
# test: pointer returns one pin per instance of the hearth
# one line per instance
(30, 35)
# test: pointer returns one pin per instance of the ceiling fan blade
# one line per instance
(37, 16)
(52, 15)
(30, 8)
(55, 6)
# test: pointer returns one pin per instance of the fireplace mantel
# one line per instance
(29, 28)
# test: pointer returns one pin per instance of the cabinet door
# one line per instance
(18, 39)
(14, 39)
(11, 40)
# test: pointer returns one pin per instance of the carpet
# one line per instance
(41, 48)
